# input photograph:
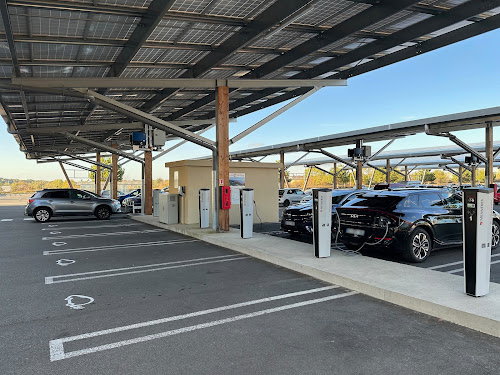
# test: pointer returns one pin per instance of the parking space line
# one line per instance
(455, 263)
(57, 346)
(141, 269)
(102, 234)
(28, 219)
(114, 247)
(6, 219)
(461, 269)
(96, 226)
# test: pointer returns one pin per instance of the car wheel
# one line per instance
(418, 247)
(42, 215)
(286, 203)
(103, 213)
(495, 234)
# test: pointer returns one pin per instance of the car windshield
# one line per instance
(376, 202)
(336, 199)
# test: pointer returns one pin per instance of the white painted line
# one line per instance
(55, 232)
(105, 234)
(51, 226)
(28, 219)
(461, 269)
(6, 219)
(94, 226)
(114, 247)
(455, 263)
(140, 269)
(57, 346)
(77, 306)
(65, 262)
(59, 243)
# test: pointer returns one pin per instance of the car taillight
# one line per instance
(30, 200)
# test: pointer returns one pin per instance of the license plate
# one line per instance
(290, 223)
(355, 232)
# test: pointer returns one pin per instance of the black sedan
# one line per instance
(413, 221)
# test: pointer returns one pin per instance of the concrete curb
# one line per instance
(430, 292)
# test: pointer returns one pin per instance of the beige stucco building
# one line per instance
(197, 174)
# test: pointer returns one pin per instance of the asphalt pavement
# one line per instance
(82, 296)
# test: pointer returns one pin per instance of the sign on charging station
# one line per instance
(477, 224)
(322, 222)
(246, 213)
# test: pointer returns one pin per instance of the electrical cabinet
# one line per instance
(225, 197)
(477, 233)
(156, 202)
(169, 209)
(322, 222)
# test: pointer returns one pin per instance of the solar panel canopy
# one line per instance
(202, 39)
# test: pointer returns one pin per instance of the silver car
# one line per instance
(65, 202)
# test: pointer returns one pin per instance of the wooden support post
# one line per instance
(406, 173)
(98, 174)
(334, 175)
(222, 130)
(359, 175)
(66, 175)
(282, 170)
(460, 173)
(148, 183)
(388, 171)
(489, 177)
(114, 173)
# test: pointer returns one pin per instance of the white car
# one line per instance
(289, 196)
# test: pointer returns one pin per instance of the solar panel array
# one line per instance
(84, 38)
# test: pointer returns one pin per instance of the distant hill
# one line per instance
(8, 181)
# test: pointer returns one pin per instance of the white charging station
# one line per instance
(322, 222)
(169, 209)
(204, 207)
(156, 202)
(246, 213)
(477, 223)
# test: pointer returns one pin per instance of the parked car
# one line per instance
(132, 193)
(297, 219)
(105, 193)
(129, 203)
(413, 221)
(47, 203)
(289, 196)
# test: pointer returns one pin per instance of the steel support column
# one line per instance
(307, 179)
(388, 171)
(282, 170)
(489, 177)
(359, 168)
(98, 174)
(148, 183)
(335, 176)
(473, 175)
(406, 173)
(222, 130)
(460, 175)
(114, 173)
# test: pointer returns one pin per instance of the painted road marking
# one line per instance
(6, 219)
(59, 243)
(114, 247)
(65, 262)
(28, 219)
(97, 227)
(455, 263)
(140, 269)
(77, 306)
(461, 269)
(103, 234)
(57, 346)
(55, 232)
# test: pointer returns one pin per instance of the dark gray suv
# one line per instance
(65, 202)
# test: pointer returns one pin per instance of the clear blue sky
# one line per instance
(461, 77)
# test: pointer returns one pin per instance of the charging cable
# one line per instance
(257, 213)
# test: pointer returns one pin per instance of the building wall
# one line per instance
(197, 174)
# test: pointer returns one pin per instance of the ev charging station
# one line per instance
(477, 223)
(204, 207)
(322, 222)
(246, 213)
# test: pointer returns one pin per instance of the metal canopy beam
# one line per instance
(458, 142)
(102, 165)
(451, 170)
(463, 165)
(148, 119)
(432, 44)
(83, 128)
(116, 82)
(72, 164)
(100, 146)
(277, 12)
(337, 158)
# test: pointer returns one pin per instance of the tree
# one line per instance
(105, 171)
